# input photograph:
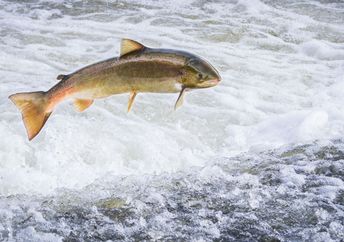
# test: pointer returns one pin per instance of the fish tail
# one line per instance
(34, 109)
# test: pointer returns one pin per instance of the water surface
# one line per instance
(259, 157)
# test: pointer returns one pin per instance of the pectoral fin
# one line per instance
(180, 99)
(131, 100)
(81, 104)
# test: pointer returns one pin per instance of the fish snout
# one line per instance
(214, 82)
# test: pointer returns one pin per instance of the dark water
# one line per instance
(293, 194)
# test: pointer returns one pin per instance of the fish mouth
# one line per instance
(213, 82)
(208, 83)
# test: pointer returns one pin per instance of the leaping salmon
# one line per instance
(137, 69)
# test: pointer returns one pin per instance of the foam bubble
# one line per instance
(323, 50)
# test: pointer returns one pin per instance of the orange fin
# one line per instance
(33, 106)
(131, 100)
(81, 104)
(128, 45)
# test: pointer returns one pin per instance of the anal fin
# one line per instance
(81, 104)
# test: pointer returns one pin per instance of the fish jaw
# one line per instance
(209, 83)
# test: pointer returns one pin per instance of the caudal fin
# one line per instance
(33, 107)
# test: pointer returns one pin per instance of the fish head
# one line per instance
(200, 74)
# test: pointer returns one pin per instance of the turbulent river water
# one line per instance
(259, 157)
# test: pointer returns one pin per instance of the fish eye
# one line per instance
(200, 76)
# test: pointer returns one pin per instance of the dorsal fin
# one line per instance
(128, 45)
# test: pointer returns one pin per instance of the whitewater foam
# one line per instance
(282, 71)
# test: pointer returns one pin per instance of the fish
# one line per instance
(138, 69)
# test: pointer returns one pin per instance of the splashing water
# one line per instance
(258, 157)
